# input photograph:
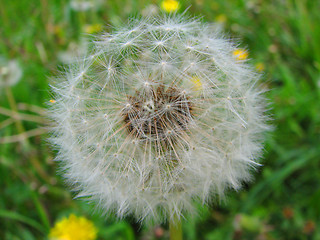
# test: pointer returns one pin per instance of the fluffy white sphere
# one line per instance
(10, 72)
(160, 114)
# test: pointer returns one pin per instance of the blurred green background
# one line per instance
(283, 41)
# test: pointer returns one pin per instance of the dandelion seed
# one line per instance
(148, 130)
(73, 228)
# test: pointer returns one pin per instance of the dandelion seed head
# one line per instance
(10, 72)
(150, 10)
(85, 5)
(148, 130)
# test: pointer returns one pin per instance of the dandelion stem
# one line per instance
(13, 107)
(175, 228)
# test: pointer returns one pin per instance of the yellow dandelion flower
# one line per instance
(170, 5)
(73, 228)
(221, 18)
(240, 54)
(197, 84)
(260, 67)
(214, 5)
(93, 28)
(52, 101)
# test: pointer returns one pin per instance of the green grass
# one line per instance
(283, 35)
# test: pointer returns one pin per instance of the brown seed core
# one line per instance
(157, 113)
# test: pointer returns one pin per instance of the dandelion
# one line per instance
(93, 28)
(85, 5)
(74, 50)
(150, 10)
(260, 67)
(170, 5)
(158, 116)
(221, 18)
(240, 54)
(10, 72)
(73, 228)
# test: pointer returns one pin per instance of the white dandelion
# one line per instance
(158, 116)
(86, 5)
(10, 72)
(74, 50)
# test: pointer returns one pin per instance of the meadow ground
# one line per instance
(283, 41)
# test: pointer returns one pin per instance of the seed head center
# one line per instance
(157, 113)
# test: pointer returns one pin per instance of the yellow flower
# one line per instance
(221, 18)
(73, 228)
(52, 101)
(241, 54)
(170, 5)
(260, 67)
(197, 84)
(93, 28)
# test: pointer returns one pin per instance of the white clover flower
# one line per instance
(158, 116)
(10, 72)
